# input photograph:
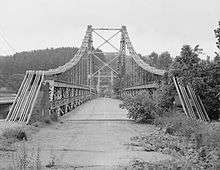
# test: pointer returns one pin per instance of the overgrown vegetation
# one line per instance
(13, 151)
(199, 74)
(15, 134)
(162, 61)
(191, 70)
(192, 141)
(142, 108)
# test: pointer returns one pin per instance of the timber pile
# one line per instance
(191, 103)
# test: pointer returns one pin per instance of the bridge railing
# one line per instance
(149, 88)
(42, 94)
(64, 97)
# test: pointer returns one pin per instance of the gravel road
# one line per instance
(93, 136)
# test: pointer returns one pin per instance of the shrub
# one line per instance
(190, 140)
(210, 135)
(54, 117)
(15, 134)
(200, 74)
(47, 120)
(205, 134)
(142, 108)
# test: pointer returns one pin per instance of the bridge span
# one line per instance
(55, 92)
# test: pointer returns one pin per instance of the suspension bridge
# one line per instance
(57, 91)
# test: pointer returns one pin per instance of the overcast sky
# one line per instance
(153, 25)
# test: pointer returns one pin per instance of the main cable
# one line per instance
(6, 41)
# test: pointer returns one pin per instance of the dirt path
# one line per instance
(93, 136)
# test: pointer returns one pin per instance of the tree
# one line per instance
(199, 74)
(14, 81)
(164, 60)
(217, 58)
(2, 81)
(153, 59)
(12, 67)
(217, 35)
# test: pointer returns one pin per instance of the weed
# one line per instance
(52, 160)
(15, 134)
(24, 159)
(47, 121)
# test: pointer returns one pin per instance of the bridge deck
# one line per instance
(93, 136)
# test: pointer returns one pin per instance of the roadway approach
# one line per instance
(95, 135)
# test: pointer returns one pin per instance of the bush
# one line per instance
(142, 108)
(15, 134)
(54, 117)
(205, 134)
(200, 74)
(182, 125)
(189, 140)
(47, 120)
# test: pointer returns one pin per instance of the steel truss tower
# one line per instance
(119, 57)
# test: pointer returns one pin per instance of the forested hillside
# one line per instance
(12, 68)
(36, 60)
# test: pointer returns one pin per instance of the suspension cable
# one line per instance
(3, 37)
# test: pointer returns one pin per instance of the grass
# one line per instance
(13, 156)
(15, 134)
(18, 156)
(195, 141)
(23, 159)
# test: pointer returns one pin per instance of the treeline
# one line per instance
(36, 60)
(13, 68)
(161, 61)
